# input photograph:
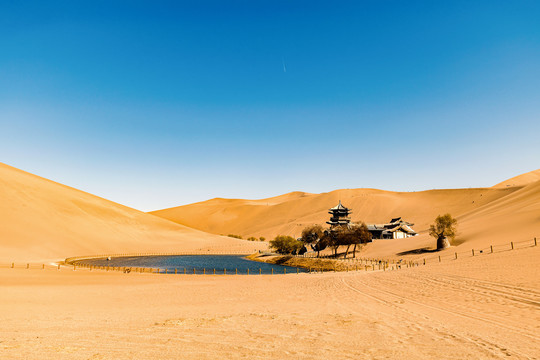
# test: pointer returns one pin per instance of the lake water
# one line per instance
(222, 263)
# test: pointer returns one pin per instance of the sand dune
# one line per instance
(520, 180)
(288, 217)
(480, 307)
(41, 219)
(499, 214)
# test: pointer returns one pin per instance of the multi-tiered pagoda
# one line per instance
(340, 216)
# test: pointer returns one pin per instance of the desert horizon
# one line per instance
(482, 304)
(205, 226)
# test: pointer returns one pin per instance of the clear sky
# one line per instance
(155, 104)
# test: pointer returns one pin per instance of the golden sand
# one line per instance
(481, 307)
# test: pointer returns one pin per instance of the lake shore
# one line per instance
(313, 264)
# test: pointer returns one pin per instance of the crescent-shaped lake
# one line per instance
(195, 264)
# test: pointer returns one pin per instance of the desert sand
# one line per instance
(484, 307)
(498, 214)
(42, 220)
(481, 307)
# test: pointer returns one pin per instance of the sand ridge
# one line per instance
(482, 307)
(520, 180)
(485, 215)
(44, 220)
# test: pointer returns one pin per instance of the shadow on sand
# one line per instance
(417, 251)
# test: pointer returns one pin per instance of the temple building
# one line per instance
(340, 216)
(397, 228)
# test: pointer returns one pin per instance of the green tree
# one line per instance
(445, 228)
(311, 235)
(284, 244)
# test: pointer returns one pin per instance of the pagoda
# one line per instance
(340, 216)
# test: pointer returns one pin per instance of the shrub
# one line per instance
(445, 228)
(262, 238)
(235, 236)
(286, 245)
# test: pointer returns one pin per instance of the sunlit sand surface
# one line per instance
(481, 307)
(478, 308)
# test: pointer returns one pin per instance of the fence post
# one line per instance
(260, 271)
(214, 271)
(204, 271)
(439, 258)
(28, 266)
(12, 265)
(491, 246)
(472, 252)
(175, 271)
(535, 244)
(236, 273)
(58, 266)
(248, 271)
(456, 255)
(272, 271)
(424, 261)
(512, 244)
(42, 266)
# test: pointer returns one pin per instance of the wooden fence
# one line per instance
(349, 264)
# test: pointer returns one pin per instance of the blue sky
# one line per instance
(157, 105)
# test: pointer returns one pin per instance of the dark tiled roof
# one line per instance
(339, 207)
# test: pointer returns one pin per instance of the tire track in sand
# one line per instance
(480, 342)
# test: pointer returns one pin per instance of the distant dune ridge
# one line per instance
(521, 180)
(498, 214)
(41, 219)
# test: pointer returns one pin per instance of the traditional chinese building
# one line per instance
(397, 228)
(340, 216)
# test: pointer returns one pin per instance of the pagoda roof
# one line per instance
(339, 207)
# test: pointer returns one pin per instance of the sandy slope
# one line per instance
(484, 307)
(520, 180)
(41, 219)
(498, 214)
